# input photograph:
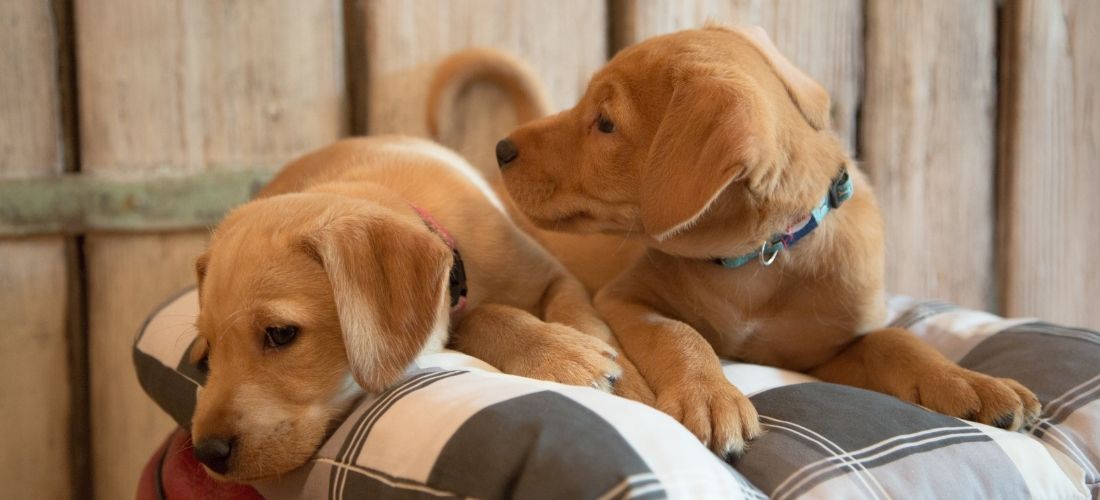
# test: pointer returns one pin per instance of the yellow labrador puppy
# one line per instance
(764, 240)
(354, 260)
(593, 258)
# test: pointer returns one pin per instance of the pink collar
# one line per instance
(457, 284)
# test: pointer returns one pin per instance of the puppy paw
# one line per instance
(570, 357)
(716, 412)
(1000, 402)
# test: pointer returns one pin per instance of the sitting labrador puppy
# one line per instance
(764, 240)
(353, 261)
(593, 258)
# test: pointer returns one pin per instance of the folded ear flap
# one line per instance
(712, 133)
(388, 278)
(809, 96)
(199, 348)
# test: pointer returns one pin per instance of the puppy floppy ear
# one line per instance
(199, 349)
(713, 132)
(387, 278)
(809, 96)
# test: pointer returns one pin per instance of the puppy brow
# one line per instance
(283, 312)
(616, 103)
(607, 91)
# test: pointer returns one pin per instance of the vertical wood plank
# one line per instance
(184, 86)
(405, 40)
(928, 143)
(825, 39)
(564, 41)
(1049, 146)
(35, 403)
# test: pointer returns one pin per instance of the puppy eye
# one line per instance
(605, 125)
(278, 336)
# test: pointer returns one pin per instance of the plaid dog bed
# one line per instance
(455, 427)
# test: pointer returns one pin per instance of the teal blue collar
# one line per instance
(840, 190)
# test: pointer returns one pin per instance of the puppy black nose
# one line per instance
(506, 152)
(214, 453)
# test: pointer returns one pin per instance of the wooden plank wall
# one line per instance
(400, 66)
(823, 38)
(927, 140)
(1050, 146)
(978, 138)
(984, 180)
(186, 86)
(33, 279)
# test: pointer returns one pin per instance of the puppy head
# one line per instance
(305, 301)
(676, 127)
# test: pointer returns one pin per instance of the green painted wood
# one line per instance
(75, 204)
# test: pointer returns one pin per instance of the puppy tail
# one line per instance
(470, 66)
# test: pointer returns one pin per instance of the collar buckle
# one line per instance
(765, 259)
(840, 189)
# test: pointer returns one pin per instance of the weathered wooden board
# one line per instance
(184, 86)
(405, 40)
(35, 403)
(35, 406)
(928, 142)
(1049, 147)
(825, 39)
(565, 42)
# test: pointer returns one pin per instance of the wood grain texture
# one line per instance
(565, 42)
(1049, 148)
(928, 143)
(823, 38)
(184, 86)
(35, 407)
(35, 404)
(405, 40)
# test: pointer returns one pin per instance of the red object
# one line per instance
(173, 473)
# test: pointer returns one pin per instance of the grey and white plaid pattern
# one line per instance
(455, 428)
(828, 441)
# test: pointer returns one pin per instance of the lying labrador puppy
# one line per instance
(353, 261)
(715, 151)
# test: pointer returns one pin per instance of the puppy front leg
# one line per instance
(517, 342)
(895, 362)
(684, 372)
(567, 302)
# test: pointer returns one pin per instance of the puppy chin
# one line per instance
(279, 450)
(271, 459)
(571, 222)
(219, 477)
(586, 221)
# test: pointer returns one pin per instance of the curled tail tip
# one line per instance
(504, 69)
